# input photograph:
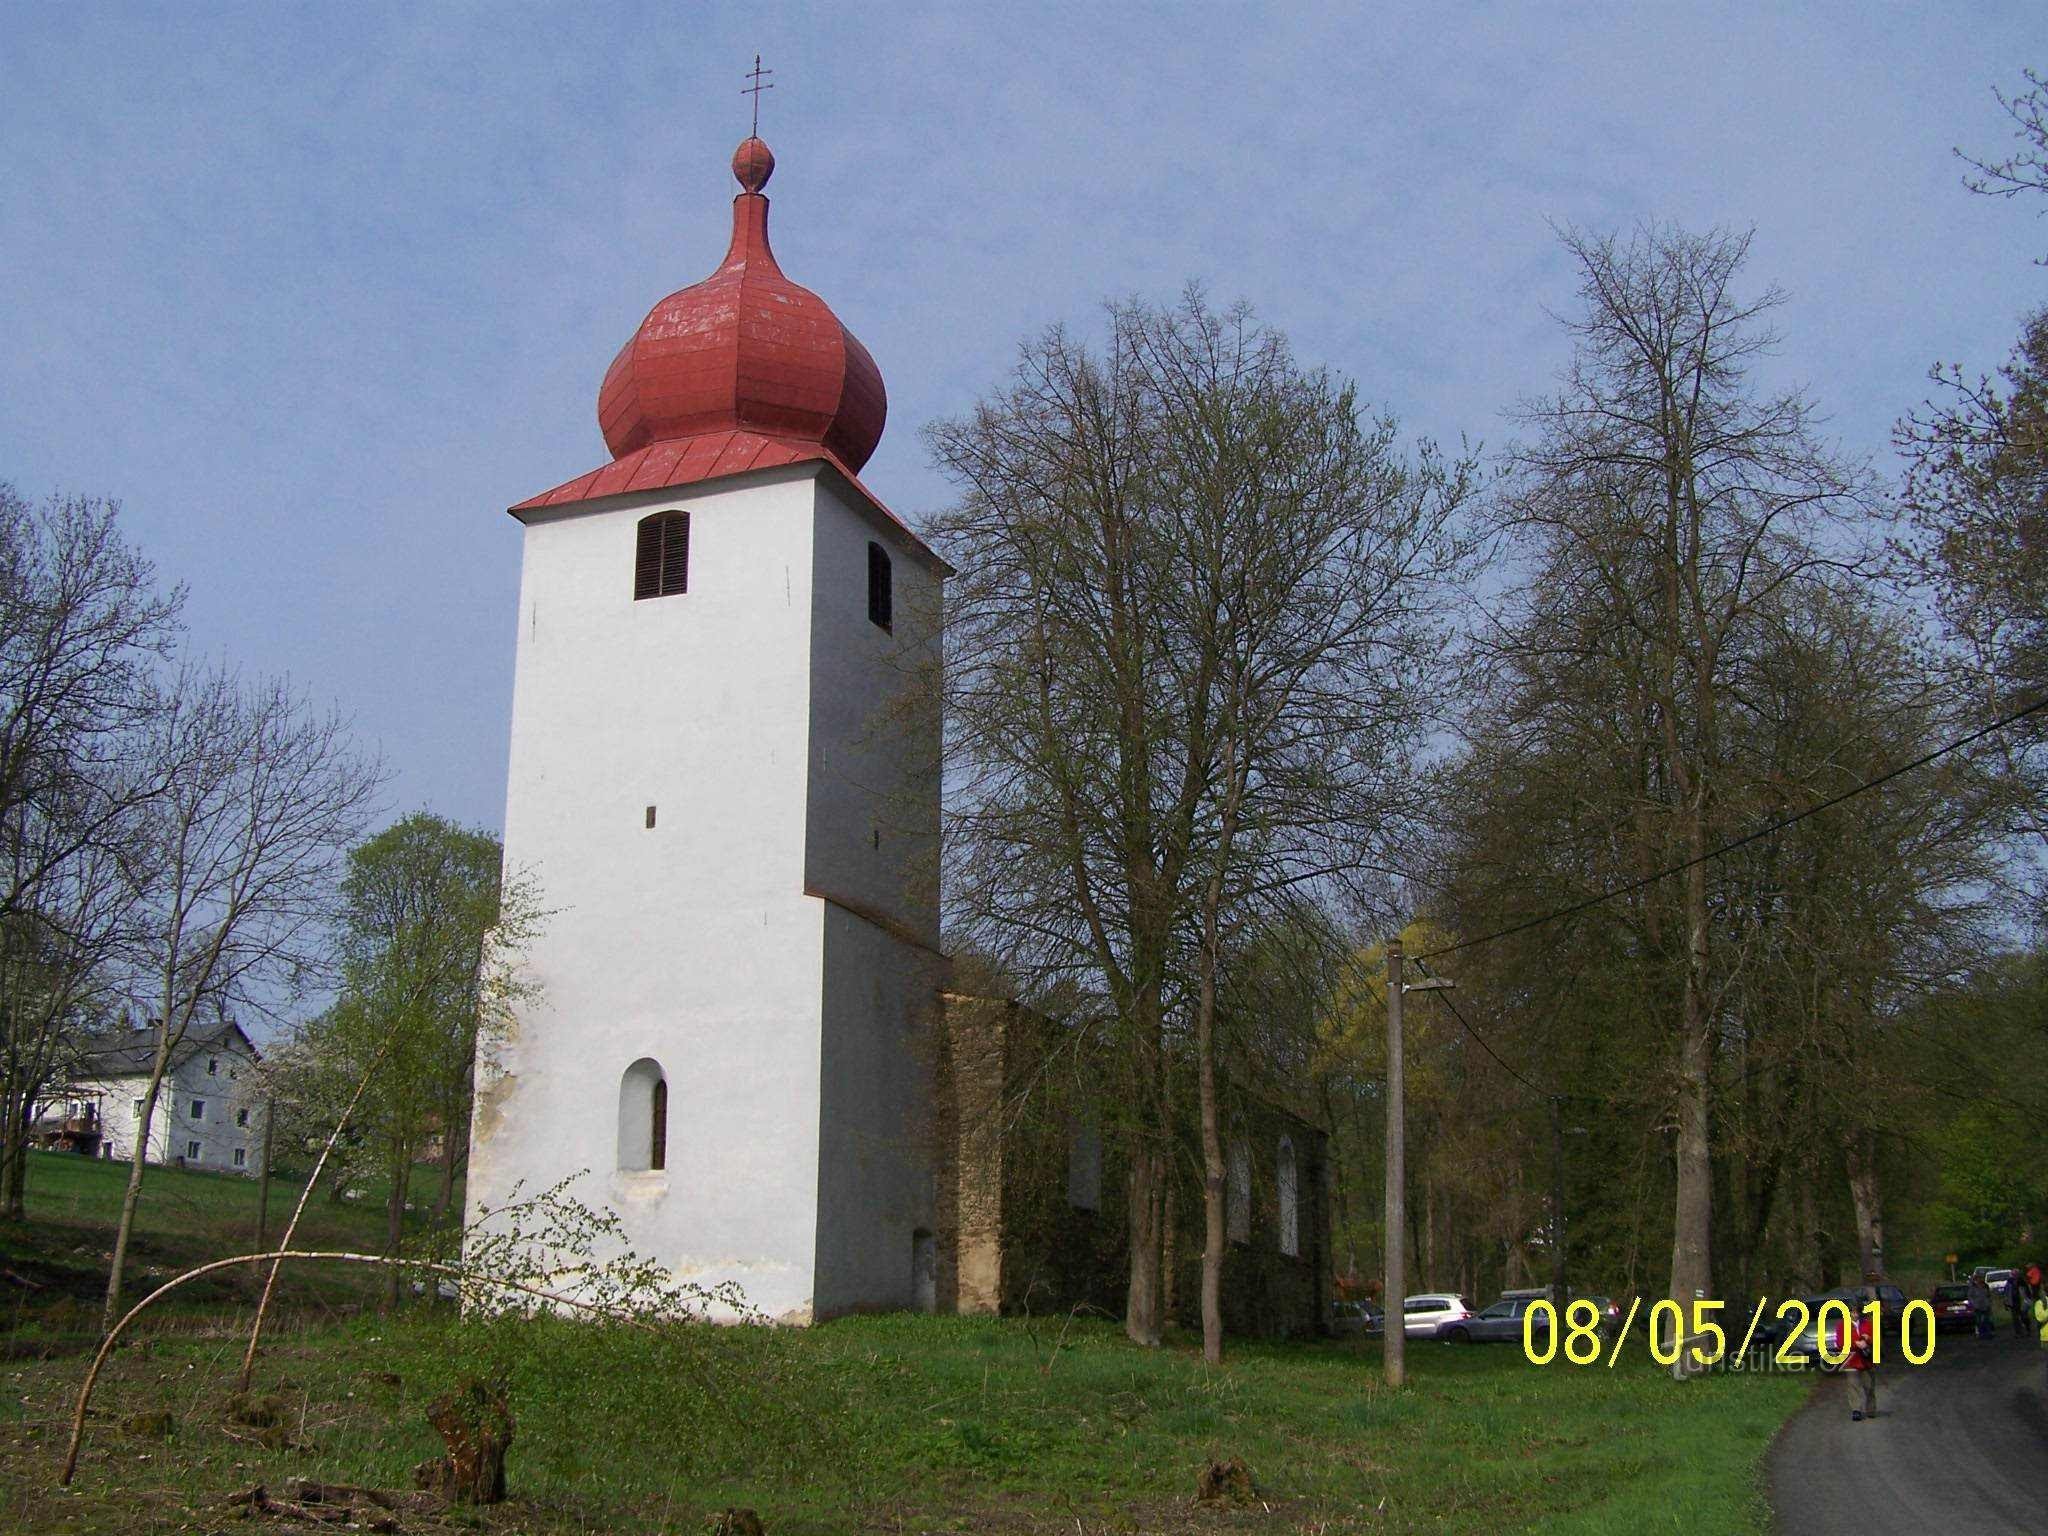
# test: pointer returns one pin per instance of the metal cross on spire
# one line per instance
(755, 91)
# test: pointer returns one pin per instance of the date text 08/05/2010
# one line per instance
(1825, 1335)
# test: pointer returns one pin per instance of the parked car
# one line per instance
(1610, 1312)
(1807, 1341)
(1951, 1305)
(1425, 1317)
(1357, 1319)
(1501, 1323)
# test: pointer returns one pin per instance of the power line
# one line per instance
(1750, 837)
(1445, 998)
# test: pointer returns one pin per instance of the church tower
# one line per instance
(724, 786)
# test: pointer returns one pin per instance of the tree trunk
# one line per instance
(132, 1196)
(17, 1112)
(1147, 1181)
(1147, 1190)
(1692, 1225)
(394, 1222)
(1861, 1158)
(1213, 1215)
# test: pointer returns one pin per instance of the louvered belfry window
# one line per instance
(881, 600)
(661, 558)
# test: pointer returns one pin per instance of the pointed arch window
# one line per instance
(1237, 1195)
(1290, 1201)
(1084, 1160)
(661, 555)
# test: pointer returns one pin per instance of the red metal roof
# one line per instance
(745, 349)
(745, 370)
(711, 456)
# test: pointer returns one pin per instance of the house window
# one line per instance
(241, 1158)
(1238, 1192)
(138, 1109)
(1084, 1162)
(661, 556)
(1290, 1212)
(199, 1109)
(191, 1151)
(241, 1117)
(881, 596)
(643, 1118)
(213, 1066)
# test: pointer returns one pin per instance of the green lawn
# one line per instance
(53, 1269)
(884, 1424)
(914, 1424)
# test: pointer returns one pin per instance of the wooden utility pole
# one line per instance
(263, 1185)
(1394, 1329)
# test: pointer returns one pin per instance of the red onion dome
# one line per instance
(745, 349)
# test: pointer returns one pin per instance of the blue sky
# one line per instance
(316, 291)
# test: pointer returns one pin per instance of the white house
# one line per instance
(206, 1114)
(723, 782)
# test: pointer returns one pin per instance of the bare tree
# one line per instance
(82, 625)
(1193, 590)
(1977, 489)
(1666, 501)
(260, 796)
(2027, 169)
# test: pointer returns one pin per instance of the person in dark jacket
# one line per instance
(1980, 1306)
(2016, 1303)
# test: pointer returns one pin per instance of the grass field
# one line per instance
(53, 1271)
(897, 1424)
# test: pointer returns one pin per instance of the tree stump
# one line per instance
(475, 1424)
(1225, 1482)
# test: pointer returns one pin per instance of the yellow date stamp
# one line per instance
(1802, 1335)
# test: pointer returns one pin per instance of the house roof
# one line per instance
(130, 1052)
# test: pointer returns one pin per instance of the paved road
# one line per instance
(1959, 1444)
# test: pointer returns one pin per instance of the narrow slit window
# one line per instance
(657, 1127)
(661, 556)
(881, 596)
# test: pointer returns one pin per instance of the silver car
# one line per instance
(1501, 1323)
(1425, 1317)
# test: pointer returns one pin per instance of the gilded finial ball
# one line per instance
(752, 164)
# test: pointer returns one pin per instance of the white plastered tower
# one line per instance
(723, 787)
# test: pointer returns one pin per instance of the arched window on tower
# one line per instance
(881, 593)
(661, 555)
(1237, 1194)
(1290, 1201)
(643, 1118)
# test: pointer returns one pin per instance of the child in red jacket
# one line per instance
(1862, 1358)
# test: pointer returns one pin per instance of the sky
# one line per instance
(316, 291)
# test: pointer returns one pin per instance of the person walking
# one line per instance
(1862, 1358)
(2040, 1310)
(2016, 1302)
(1980, 1305)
